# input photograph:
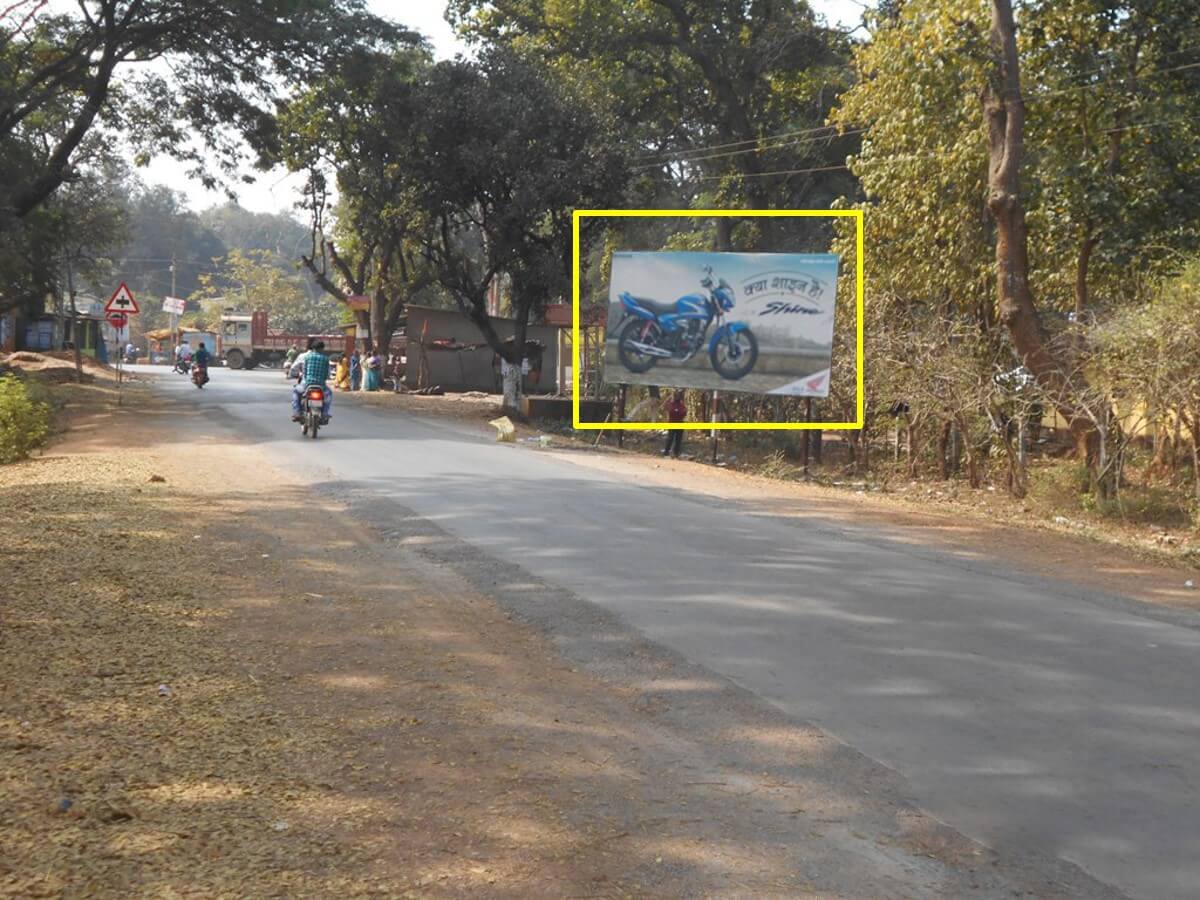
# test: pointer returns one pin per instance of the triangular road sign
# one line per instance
(121, 301)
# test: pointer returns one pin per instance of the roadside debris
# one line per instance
(506, 431)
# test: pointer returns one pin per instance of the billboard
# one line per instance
(755, 322)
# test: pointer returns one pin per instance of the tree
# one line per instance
(951, 204)
(502, 154)
(1149, 356)
(1114, 122)
(1004, 113)
(164, 232)
(356, 126)
(253, 280)
(78, 228)
(703, 89)
(279, 234)
(60, 77)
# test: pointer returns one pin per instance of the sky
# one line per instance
(278, 191)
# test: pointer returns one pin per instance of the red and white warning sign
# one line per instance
(121, 301)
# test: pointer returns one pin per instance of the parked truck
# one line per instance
(247, 341)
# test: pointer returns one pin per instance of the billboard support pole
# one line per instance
(807, 435)
(715, 395)
(621, 416)
(815, 436)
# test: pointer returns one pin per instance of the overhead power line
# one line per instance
(689, 154)
(681, 154)
(1130, 127)
(1035, 95)
(1100, 70)
(779, 172)
(763, 149)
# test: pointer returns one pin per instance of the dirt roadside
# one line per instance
(220, 684)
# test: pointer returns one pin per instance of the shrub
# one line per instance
(24, 420)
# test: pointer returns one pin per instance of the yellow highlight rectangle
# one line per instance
(856, 214)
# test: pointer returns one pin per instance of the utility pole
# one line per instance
(173, 294)
(74, 320)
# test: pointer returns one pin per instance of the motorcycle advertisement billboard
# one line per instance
(755, 322)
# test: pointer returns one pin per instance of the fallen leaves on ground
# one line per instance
(136, 755)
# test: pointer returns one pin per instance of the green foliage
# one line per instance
(1111, 137)
(679, 76)
(85, 222)
(252, 280)
(1150, 353)
(63, 74)
(162, 230)
(776, 465)
(24, 420)
(356, 127)
(276, 233)
(923, 166)
(504, 155)
(1113, 131)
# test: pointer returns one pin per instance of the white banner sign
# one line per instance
(174, 305)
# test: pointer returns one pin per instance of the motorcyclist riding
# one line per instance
(183, 358)
(314, 365)
(200, 368)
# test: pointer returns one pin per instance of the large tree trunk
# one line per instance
(512, 386)
(1004, 112)
(512, 379)
(379, 339)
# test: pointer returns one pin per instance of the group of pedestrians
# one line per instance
(360, 372)
(356, 372)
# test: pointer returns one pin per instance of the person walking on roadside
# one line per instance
(355, 371)
(676, 409)
(397, 372)
(374, 371)
(342, 382)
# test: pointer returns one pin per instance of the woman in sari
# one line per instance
(374, 371)
(342, 382)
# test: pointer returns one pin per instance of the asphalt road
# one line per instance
(1030, 715)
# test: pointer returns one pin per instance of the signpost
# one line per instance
(175, 305)
(122, 301)
(117, 310)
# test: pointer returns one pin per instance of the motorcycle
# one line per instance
(677, 331)
(311, 404)
(199, 375)
(182, 366)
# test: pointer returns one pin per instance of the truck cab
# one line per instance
(237, 340)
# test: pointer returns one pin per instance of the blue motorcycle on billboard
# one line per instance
(678, 330)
